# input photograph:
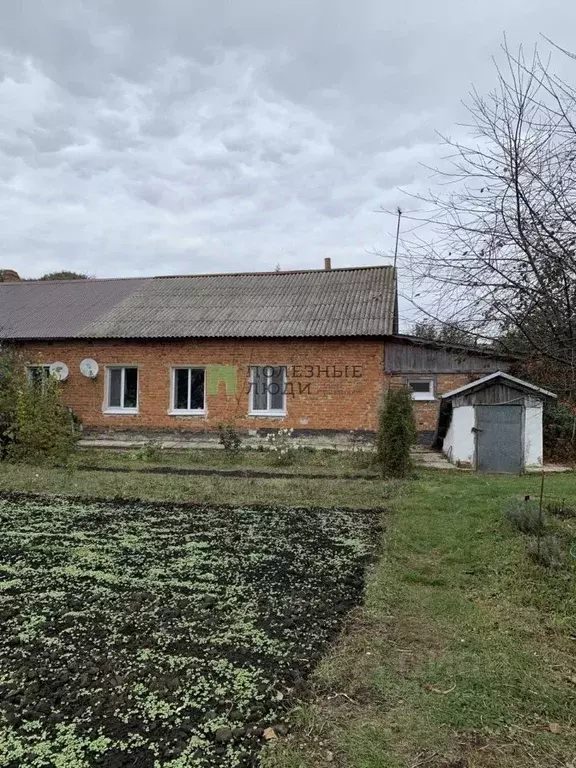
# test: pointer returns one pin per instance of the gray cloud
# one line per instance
(143, 137)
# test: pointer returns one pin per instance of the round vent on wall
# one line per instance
(89, 368)
(59, 371)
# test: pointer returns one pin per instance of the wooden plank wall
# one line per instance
(495, 394)
(410, 358)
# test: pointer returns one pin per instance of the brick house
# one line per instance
(312, 350)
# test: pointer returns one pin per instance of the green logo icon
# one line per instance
(225, 373)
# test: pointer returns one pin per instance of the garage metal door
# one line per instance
(499, 438)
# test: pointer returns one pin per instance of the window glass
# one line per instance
(123, 388)
(420, 386)
(268, 388)
(38, 374)
(181, 389)
(422, 389)
(130, 387)
(115, 388)
(188, 389)
(276, 389)
(259, 389)
(196, 389)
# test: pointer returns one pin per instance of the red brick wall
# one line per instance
(426, 411)
(339, 403)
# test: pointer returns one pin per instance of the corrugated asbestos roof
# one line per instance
(339, 302)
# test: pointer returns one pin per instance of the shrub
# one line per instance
(545, 550)
(229, 437)
(361, 450)
(561, 509)
(525, 515)
(44, 429)
(283, 446)
(396, 433)
(151, 451)
(559, 431)
(11, 381)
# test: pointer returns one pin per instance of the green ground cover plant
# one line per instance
(140, 634)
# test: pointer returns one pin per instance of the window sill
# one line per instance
(269, 414)
(177, 412)
(121, 411)
(427, 399)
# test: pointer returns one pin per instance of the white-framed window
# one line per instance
(121, 389)
(422, 389)
(37, 374)
(188, 388)
(268, 390)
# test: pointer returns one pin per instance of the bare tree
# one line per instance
(501, 262)
(442, 332)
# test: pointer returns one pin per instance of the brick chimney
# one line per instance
(328, 264)
(9, 276)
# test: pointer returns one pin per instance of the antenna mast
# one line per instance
(397, 236)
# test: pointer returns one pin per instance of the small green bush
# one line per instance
(545, 551)
(559, 430)
(525, 515)
(283, 447)
(396, 433)
(361, 450)
(11, 382)
(229, 438)
(44, 429)
(151, 451)
(561, 509)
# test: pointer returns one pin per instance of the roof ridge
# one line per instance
(277, 273)
(76, 280)
(205, 274)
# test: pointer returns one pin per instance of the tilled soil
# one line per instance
(140, 634)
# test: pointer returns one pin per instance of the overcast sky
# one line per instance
(144, 137)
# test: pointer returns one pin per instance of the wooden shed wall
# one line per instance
(494, 394)
(412, 358)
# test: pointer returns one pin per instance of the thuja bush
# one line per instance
(43, 429)
(396, 433)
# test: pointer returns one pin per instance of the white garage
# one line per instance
(493, 424)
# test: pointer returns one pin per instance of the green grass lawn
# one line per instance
(231, 490)
(304, 460)
(465, 651)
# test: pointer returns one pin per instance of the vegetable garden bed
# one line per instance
(139, 634)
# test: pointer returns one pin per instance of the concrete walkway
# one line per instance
(422, 456)
(250, 442)
(430, 459)
(426, 457)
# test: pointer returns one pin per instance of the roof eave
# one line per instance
(479, 383)
(470, 349)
